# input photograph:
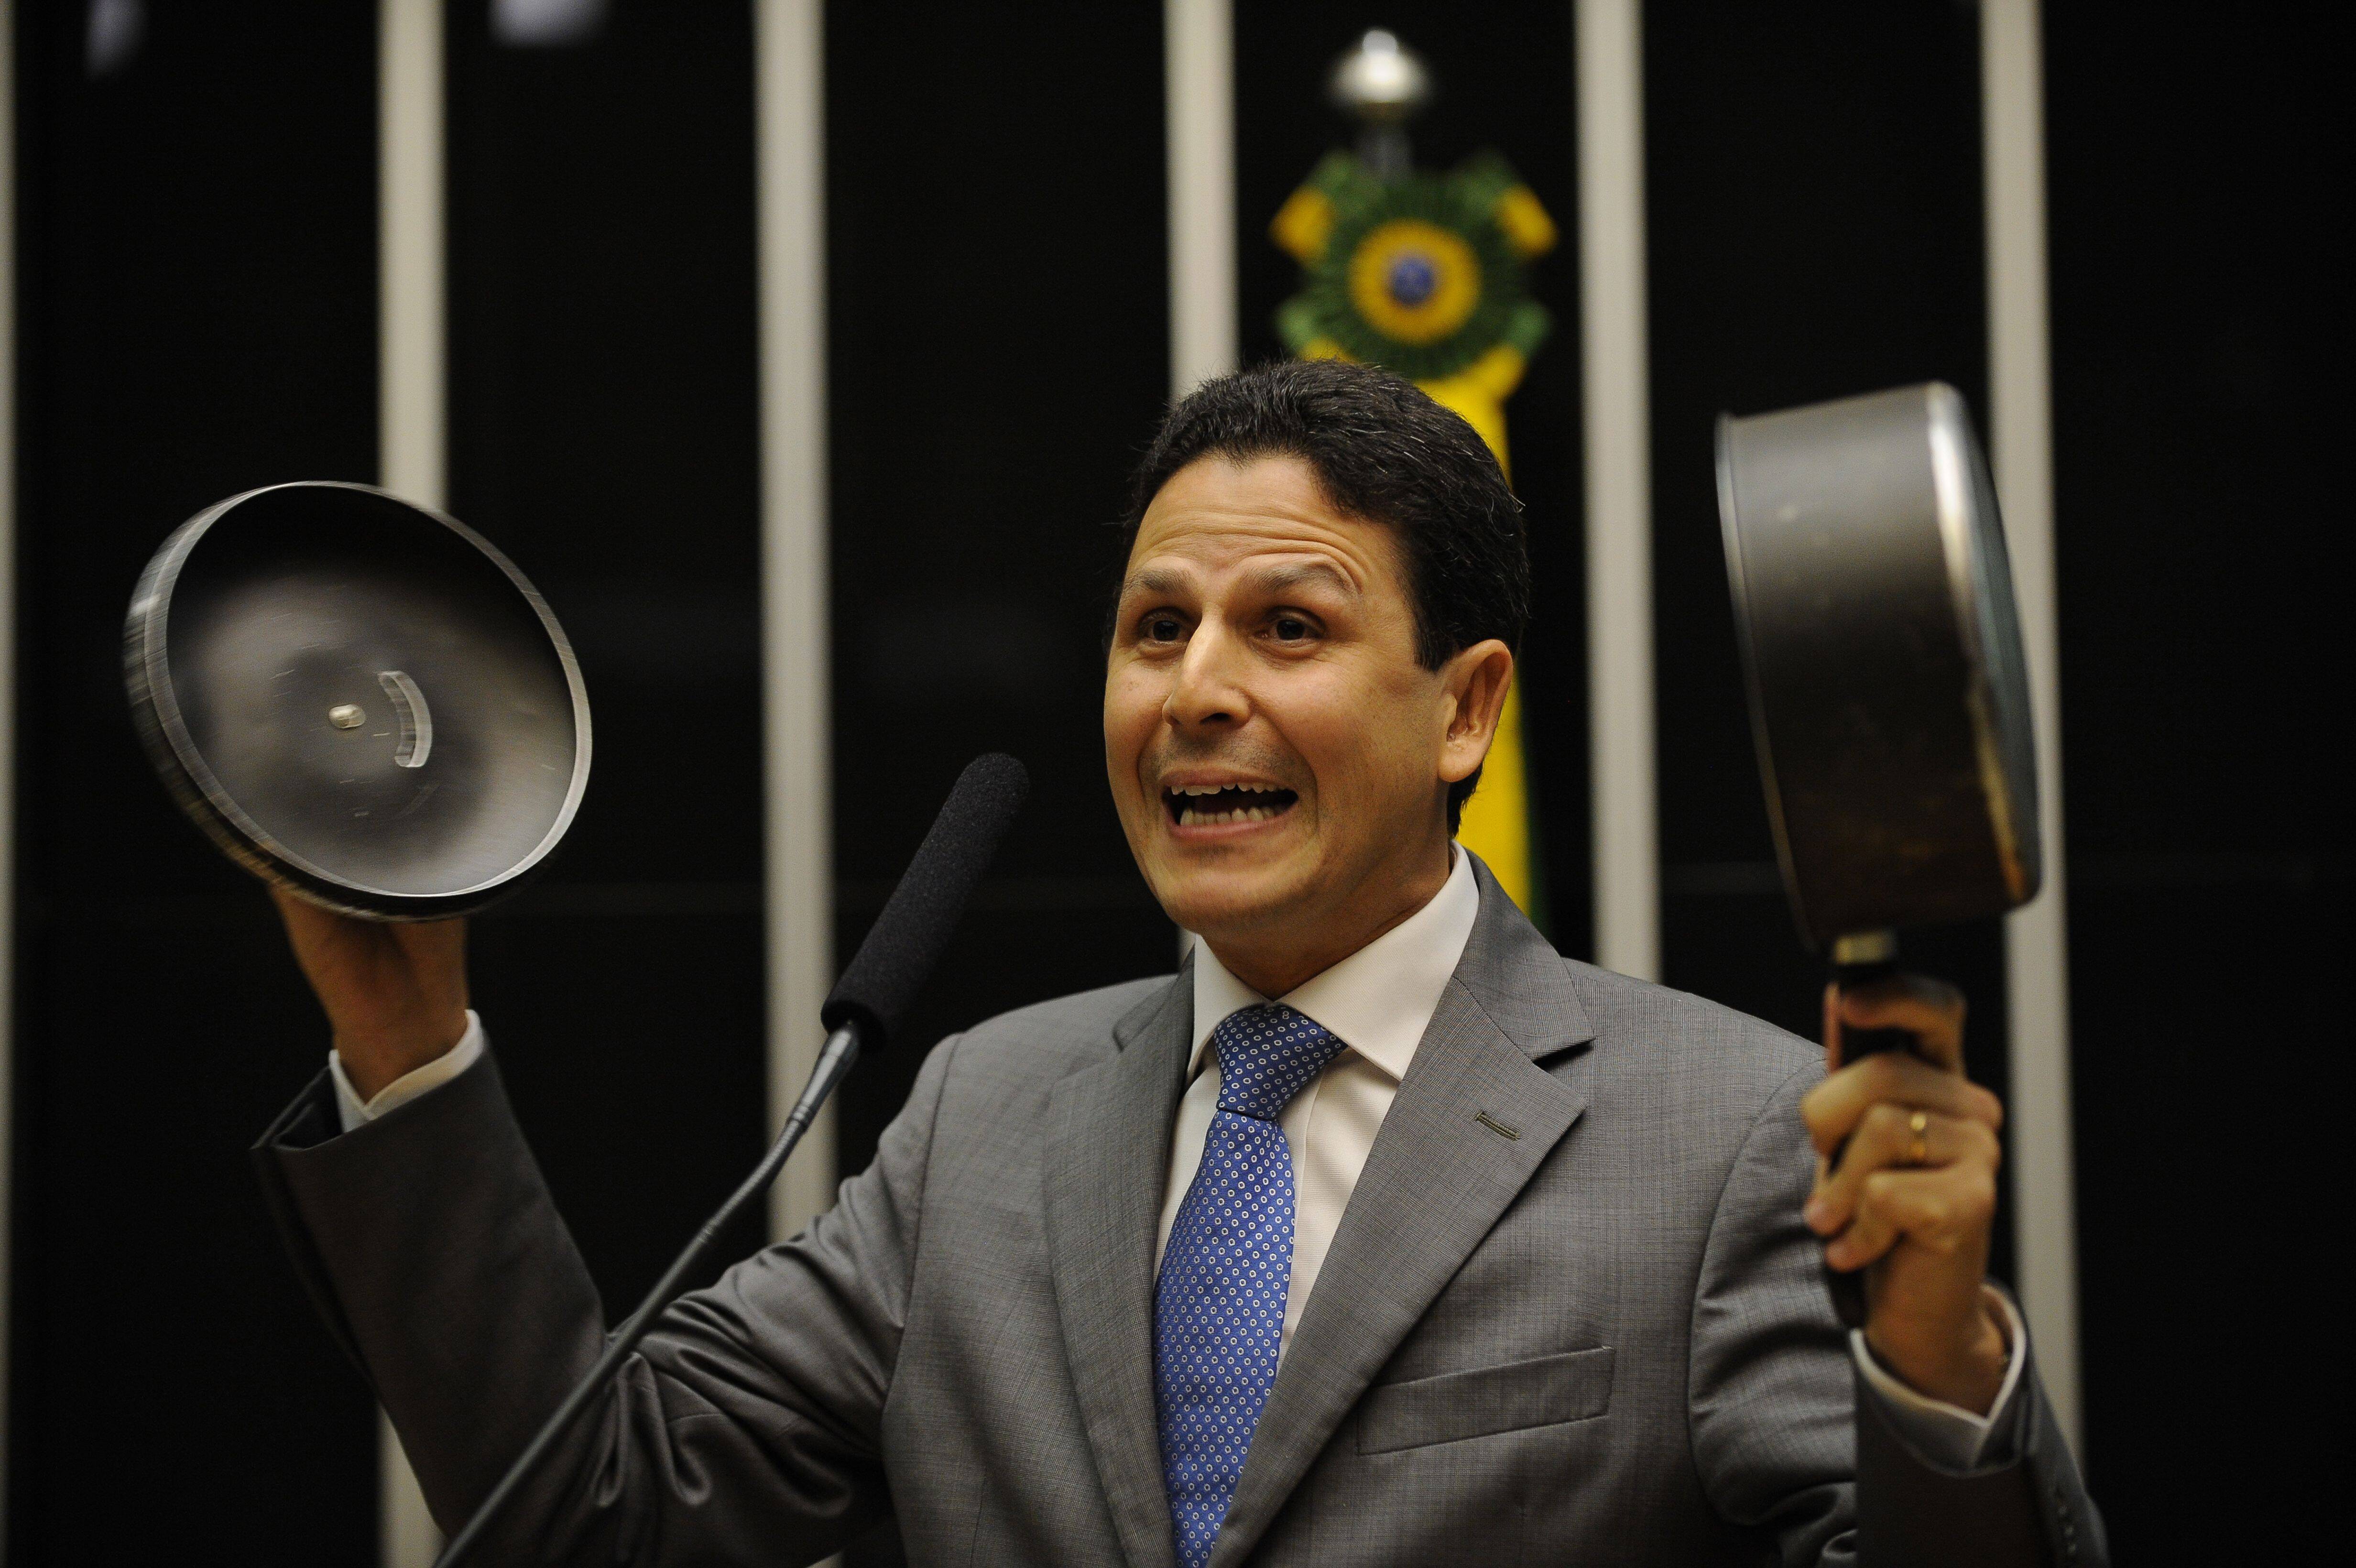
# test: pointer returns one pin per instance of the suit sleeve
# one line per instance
(748, 1427)
(1789, 1441)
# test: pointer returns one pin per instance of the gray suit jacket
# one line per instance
(1571, 1314)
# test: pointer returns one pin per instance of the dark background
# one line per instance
(2209, 866)
(998, 326)
(196, 314)
(196, 253)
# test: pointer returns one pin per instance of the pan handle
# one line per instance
(1861, 959)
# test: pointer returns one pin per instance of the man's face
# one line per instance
(1279, 759)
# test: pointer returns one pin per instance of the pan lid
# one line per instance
(359, 697)
(1889, 690)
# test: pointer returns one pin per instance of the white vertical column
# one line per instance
(411, 322)
(8, 682)
(2020, 438)
(789, 45)
(1199, 131)
(412, 449)
(1618, 421)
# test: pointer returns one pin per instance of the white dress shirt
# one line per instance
(351, 1110)
(1377, 1002)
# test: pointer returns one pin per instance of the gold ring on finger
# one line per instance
(1919, 1152)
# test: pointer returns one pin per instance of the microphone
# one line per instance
(868, 1005)
(908, 938)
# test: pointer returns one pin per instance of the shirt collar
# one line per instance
(1379, 1000)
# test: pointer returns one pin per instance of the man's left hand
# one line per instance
(1911, 1196)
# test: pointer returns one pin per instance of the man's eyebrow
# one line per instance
(1301, 574)
(1158, 582)
(1162, 583)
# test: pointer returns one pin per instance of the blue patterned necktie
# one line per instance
(1218, 1308)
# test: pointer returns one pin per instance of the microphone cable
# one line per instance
(866, 1006)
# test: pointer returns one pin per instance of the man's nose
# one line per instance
(1207, 691)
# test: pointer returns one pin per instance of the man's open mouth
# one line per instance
(1219, 805)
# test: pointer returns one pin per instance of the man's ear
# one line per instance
(1476, 681)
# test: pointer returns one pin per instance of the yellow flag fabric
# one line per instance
(1496, 825)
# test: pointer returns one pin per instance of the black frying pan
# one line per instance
(358, 698)
(1889, 694)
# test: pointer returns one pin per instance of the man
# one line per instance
(1379, 1234)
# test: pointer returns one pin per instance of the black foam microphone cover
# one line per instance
(908, 938)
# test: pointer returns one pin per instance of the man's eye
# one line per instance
(1290, 628)
(1162, 629)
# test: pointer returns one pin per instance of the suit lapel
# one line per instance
(1435, 1183)
(1107, 1159)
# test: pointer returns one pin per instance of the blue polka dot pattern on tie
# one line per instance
(1218, 1308)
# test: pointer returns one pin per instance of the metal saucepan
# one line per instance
(1889, 693)
(360, 698)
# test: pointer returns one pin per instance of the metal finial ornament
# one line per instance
(1383, 84)
(1381, 79)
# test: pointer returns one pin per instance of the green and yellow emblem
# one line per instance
(1422, 274)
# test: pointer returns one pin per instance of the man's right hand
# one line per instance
(395, 993)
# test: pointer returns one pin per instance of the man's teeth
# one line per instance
(1198, 806)
(1197, 816)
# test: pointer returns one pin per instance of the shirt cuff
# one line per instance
(353, 1111)
(1948, 1435)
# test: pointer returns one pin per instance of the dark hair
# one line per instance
(1385, 452)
